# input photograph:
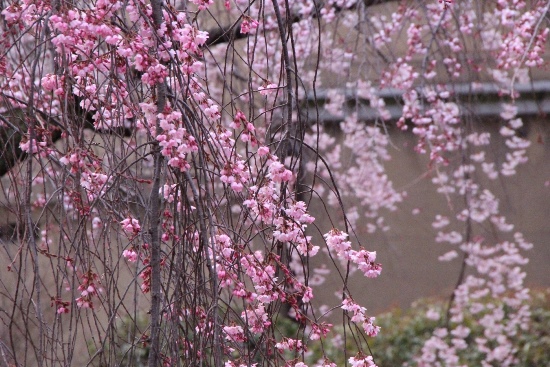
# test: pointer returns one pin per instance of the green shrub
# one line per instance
(405, 331)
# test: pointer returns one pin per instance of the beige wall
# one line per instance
(408, 251)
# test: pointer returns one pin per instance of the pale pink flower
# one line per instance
(131, 225)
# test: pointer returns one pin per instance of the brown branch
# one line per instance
(10, 137)
(153, 215)
(232, 33)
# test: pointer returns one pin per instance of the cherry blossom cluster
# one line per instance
(291, 344)
(515, 143)
(362, 361)
(234, 333)
(365, 261)
(291, 229)
(497, 283)
(175, 141)
(437, 349)
(235, 172)
(131, 225)
(366, 90)
(359, 317)
(62, 306)
(35, 146)
(247, 135)
(520, 39)
(79, 34)
(90, 169)
(88, 288)
(368, 146)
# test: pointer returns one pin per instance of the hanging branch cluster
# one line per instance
(147, 177)
(443, 45)
(154, 173)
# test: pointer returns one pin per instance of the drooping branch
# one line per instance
(10, 137)
(153, 213)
